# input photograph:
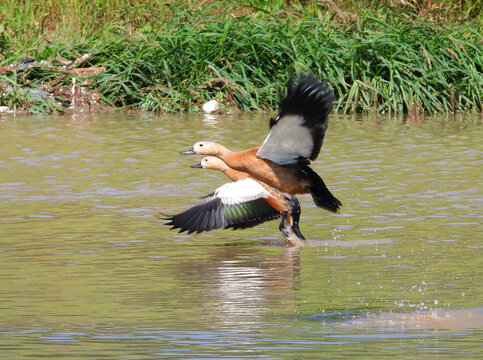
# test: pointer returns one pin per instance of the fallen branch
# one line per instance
(80, 60)
(86, 71)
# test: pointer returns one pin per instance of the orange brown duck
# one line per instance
(241, 204)
(295, 138)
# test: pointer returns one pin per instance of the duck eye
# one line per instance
(201, 144)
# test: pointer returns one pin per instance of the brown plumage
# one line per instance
(295, 138)
(264, 203)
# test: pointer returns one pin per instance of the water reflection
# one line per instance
(211, 120)
(245, 286)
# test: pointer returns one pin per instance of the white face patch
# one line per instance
(212, 162)
(241, 191)
(287, 141)
(202, 147)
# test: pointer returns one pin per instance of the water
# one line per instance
(88, 270)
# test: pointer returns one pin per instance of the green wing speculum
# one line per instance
(213, 214)
(237, 205)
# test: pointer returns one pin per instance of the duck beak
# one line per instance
(189, 151)
(197, 166)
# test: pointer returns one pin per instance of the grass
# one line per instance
(385, 62)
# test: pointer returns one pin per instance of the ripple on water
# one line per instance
(459, 319)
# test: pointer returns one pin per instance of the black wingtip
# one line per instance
(308, 95)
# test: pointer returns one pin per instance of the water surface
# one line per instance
(90, 271)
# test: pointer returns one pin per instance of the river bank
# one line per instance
(386, 62)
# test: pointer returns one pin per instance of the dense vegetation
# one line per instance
(379, 56)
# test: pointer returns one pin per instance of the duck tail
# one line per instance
(321, 195)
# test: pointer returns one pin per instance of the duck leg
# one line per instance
(284, 225)
(296, 210)
(291, 231)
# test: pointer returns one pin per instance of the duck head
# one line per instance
(204, 148)
(211, 162)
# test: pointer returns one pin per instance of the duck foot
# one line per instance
(292, 234)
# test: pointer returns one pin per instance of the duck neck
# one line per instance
(234, 175)
(222, 152)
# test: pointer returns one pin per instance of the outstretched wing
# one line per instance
(237, 205)
(296, 135)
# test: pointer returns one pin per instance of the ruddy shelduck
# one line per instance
(244, 203)
(295, 138)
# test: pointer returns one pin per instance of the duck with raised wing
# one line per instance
(295, 138)
(241, 204)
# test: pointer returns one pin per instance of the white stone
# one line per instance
(211, 107)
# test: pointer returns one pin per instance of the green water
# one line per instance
(89, 271)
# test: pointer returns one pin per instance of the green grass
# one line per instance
(30, 18)
(385, 62)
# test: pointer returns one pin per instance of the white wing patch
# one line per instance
(240, 192)
(287, 140)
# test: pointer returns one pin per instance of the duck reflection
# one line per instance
(245, 284)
